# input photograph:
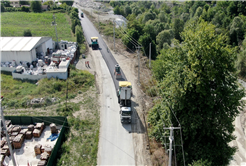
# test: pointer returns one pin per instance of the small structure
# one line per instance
(60, 72)
(14, 3)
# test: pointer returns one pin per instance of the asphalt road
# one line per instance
(90, 31)
(115, 141)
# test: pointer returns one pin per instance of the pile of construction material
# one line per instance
(45, 150)
(17, 135)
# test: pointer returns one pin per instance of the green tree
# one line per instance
(2, 7)
(75, 22)
(49, 2)
(127, 10)
(24, 3)
(164, 36)
(145, 41)
(27, 32)
(236, 30)
(178, 27)
(36, 6)
(200, 88)
(117, 10)
(148, 16)
(198, 12)
(200, 163)
(69, 3)
(241, 64)
(163, 17)
(79, 34)
(130, 39)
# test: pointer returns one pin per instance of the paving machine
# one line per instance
(94, 43)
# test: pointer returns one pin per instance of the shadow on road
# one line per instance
(137, 125)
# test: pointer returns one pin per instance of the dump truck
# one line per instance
(124, 99)
(82, 14)
(94, 43)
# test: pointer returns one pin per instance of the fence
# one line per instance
(58, 120)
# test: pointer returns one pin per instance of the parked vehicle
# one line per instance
(82, 14)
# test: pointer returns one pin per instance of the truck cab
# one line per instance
(125, 114)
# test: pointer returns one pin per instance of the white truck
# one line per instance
(124, 99)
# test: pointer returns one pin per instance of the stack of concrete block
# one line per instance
(23, 131)
(44, 156)
(5, 149)
(40, 126)
(37, 149)
(53, 128)
(36, 133)
(42, 163)
(18, 140)
(16, 129)
(29, 132)
(8, 122)
(2, 157)
(30, 127)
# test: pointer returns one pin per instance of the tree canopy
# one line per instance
(36, 6)
(198, 84)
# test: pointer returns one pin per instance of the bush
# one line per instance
(25, 9)
(27, 32)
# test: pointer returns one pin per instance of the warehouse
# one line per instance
(24, 48)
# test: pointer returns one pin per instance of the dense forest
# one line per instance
(198, 51)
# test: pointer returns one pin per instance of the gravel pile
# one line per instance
(94, 5)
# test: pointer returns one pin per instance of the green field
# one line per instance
(14, 24)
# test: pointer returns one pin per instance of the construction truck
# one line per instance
(124, 99)
(117, 72)
(94, 43)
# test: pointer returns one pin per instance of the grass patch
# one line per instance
(82, 144)
(38, 23)
(17, 94)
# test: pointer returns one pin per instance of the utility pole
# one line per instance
(138, 65)
(54, 23)
(171, 142)
(149, 55)
(114, 35)
(66, 97)
(7, 137)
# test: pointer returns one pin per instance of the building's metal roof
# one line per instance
(20, 43)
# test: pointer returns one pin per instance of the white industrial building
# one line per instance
(24, 48)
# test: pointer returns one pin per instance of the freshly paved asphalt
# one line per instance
(115, 140)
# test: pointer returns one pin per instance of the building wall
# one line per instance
(60, 75)
(27, 77)
(17, 56)
(43, 47)
(49, 44)
(9, 69)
